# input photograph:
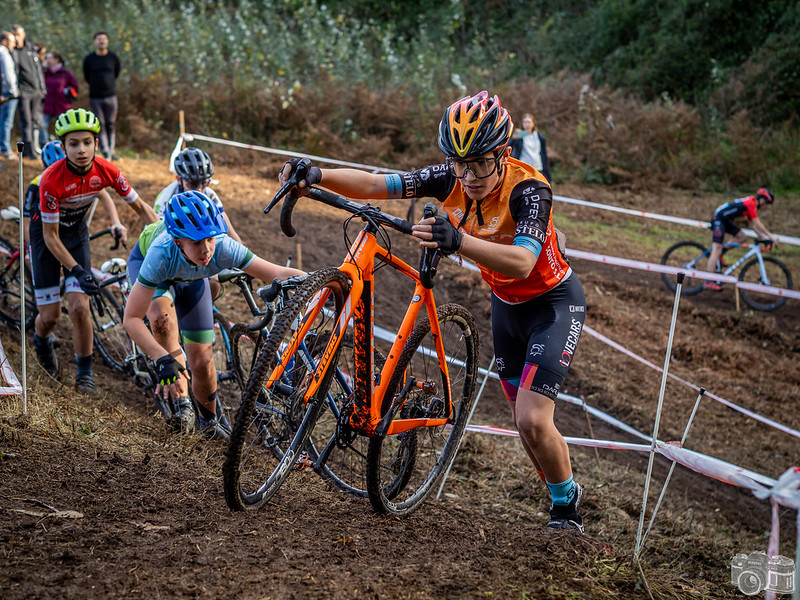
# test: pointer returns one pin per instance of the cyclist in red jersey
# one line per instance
(60, 238)
(723, 222)
(499, 213)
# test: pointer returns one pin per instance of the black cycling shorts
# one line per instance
(535, 341)
(719, 227)
(46, 269)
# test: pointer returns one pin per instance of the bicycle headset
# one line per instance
(76, 119)
(51, 152)
(193, 164)
(194, 216)
(474, 125)
(764, 193)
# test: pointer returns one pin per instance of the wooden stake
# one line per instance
(181, 123)
(299, 252)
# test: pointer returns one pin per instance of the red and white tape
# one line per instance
(13, 386)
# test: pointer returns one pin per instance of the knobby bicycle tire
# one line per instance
(272, 426)
(10, 289)
(403, 469)
(110, 337)
(245, 344)
(684, 255)
(779, 276)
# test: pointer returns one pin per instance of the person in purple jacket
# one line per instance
(62, 89)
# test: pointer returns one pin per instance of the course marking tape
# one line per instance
(13, 387)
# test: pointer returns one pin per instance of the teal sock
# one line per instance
(84, 365)
(562, 493)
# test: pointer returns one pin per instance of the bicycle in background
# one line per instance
(755, 268)
(411, 412)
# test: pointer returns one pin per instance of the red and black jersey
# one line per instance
(65, 196)
(746, 207)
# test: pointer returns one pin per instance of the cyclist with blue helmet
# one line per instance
(169, 269)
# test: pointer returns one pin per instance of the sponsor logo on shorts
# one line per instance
(572, 342)
(536, 350)
(573, 308)
(500, 365)
(547, 390)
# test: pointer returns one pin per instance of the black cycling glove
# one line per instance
(85, 279)
(168, 370)
(313, 176)
(448, 237)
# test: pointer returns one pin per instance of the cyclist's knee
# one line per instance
(78, 306)
(48, 316)
(162, 324)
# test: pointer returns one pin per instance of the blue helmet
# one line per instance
(193, 215)
(51, 152)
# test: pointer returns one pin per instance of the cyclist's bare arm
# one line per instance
(108, 204)
(144, 210)
(56, 246)
(511, 261)
(267, 271)
(133, 320)
(762, 231)
(351, 183)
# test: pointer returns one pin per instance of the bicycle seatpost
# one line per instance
(430, 256)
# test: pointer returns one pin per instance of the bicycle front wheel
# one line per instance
(110, 337)
(775, 274)
(403, 469)
(684, 255)
(273, 425)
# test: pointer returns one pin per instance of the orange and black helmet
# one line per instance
(474, 125)
(764, 193)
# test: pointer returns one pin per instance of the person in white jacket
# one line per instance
(9, 92)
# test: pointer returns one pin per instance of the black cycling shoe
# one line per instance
(46, 354)
(569, 516)
(85, 385)
(214, 428)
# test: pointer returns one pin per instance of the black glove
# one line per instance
(313, 176)
(86, 280)
(448, 237)
(167, 370)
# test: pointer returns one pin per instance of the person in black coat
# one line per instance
(528, 145)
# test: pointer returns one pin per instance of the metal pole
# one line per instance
(672, 467)
(469, 419)
(638, 548)
(22, 295)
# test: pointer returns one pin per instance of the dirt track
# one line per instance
(154, 523)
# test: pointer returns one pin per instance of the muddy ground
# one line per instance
(98, 501)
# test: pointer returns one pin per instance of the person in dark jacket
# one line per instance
(62, 89)
(101, 69)
(32, 91)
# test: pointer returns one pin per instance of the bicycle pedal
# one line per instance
(303, 461)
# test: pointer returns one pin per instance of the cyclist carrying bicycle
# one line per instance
(723, 222)
(499, 213)
(60, 239)
(169, 269)
(193, 171)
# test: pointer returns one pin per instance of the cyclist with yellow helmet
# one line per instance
(499, 214)
(60, 238)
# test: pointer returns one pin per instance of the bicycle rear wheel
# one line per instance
(776, 275)
(403, 469)
(273, 425)
(10, 288)
(684, 255)
(110, 337)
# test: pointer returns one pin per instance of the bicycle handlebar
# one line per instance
(365, 210)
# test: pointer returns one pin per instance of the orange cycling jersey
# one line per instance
(518, 211)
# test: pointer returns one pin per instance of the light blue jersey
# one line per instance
(164, 262)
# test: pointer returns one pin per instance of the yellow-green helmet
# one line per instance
(76, 119)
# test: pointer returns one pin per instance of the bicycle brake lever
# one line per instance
(430, 256)
(300, 172)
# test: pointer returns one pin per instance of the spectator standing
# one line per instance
(528, 145)
(101, 69)
(62, 89)
(31, 90)
(9, 92)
